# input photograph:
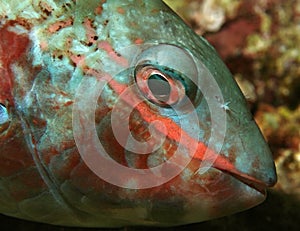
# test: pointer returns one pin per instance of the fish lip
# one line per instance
(250, 181)
(259, 184)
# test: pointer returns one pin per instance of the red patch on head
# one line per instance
(121, 10)
(139, 41)
(12, 47)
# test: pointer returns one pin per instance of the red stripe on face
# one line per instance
(174, 132)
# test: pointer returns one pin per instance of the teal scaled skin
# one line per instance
(49, 48)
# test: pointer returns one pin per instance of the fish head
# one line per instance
(179, 120)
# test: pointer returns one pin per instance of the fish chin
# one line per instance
(225, 195)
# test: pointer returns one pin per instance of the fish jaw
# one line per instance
(222, 195)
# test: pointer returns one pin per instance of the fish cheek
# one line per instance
(107, 139)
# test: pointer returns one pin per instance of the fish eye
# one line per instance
(4, 116)
(159, 87)
(167, 76)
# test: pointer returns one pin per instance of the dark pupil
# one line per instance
(159, 87)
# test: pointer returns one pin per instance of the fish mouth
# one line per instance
(259, 180)
(250, 181)
(226, 167)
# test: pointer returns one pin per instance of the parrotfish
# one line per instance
(115, 113)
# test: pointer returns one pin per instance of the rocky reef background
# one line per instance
(259, 40)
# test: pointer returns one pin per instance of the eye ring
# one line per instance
(158, 87)
(177, 67)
